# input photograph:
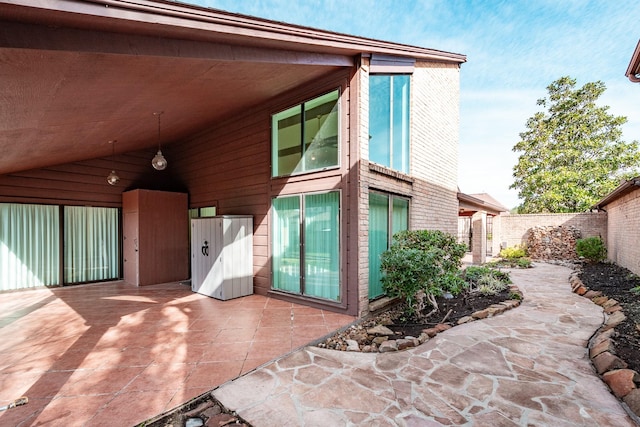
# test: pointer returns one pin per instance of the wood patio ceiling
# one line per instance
(66, 90)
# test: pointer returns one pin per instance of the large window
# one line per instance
(387, 215)
(306, 245)
(305, 137)
(90, 244)
(29, 246)
(389, 113)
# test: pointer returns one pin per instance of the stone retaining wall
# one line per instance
(552, 243)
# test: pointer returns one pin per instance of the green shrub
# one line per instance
(486, 280)
(474, 274)
(515, 295)
(513, 252)
(592, 249)
(523, 263)
(489, 284)
(422, 264)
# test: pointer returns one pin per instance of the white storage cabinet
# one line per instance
(222, 256)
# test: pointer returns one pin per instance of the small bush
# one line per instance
(523, 263)
(515, 295)
(490, 285)
(592, 249)
(513, 252)
(486, 280)
(474, 274)
(421, 265)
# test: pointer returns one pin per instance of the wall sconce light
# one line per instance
(113, 177)
(159, 162)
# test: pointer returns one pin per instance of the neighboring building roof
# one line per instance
(487, 198)
(471, 203)
(633, 70)
(622, 190)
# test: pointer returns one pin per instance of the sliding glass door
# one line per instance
(34, 245)
(90, 244)
(29, 246)
(306, 244)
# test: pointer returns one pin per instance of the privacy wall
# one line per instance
(513, 228)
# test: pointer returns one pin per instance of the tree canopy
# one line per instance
(572, 154)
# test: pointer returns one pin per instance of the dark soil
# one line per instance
(403, 325)
(450, 310)
(616, 282)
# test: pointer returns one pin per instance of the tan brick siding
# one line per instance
(435, 124)
(432, 183)
(623, 231)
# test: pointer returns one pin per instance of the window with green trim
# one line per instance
(305, 137)
(389, 114)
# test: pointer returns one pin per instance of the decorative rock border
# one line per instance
(355, 335)
(622, 382)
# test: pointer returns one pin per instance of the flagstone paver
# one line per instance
(527, 366)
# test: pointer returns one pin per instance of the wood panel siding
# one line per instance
(229, 166)
(85, 183)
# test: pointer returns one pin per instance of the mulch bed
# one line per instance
(450, 310)
(616, 282)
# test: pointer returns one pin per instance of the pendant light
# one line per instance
(113, 177)
(159, 162)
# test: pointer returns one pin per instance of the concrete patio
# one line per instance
(111, 354)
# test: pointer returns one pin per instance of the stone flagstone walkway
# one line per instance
(526, 367)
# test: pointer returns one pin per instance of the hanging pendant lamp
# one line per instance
(113, 177)
(159, 162)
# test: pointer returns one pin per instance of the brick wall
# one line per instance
(432, 183)
(623, 231)
(513, 228)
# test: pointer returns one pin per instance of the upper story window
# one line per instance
(389, 112)
(305, 137)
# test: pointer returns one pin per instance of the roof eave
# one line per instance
(619, 191)
(480, 203)
(633, 70)
(181, 16)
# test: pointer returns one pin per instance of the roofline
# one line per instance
(192, 17)
(633, 70)
(621, 190)
(477, 201)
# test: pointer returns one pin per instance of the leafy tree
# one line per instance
(572, 154)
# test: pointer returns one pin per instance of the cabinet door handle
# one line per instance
(135, 244)
(205, 248)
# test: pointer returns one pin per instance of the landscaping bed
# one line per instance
(617, 283)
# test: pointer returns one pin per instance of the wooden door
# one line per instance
(131, 241)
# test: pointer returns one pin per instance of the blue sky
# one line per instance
(515, 49)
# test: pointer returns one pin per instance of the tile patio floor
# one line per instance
(113, 354)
